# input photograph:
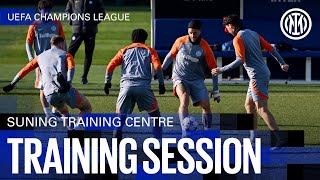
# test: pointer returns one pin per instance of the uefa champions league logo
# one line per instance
(295, 24)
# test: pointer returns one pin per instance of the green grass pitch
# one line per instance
(294, 106)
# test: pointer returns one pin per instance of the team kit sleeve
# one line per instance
(271, 50)
(29, 42)
(155, 61)
(240, 55)
(115, 61)
(211, 62)
(33, 64)
(171, 55)
(60, 28)
(71, 67)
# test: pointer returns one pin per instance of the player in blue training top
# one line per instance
(192, 55)
(248, 45)
(135, 61)
(39, 35)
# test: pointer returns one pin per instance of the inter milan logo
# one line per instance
(295, 24)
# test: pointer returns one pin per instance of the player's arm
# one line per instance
(71, 67)
(240, 57)
(115, 61)
(155, 61)
(212, 63)
(33, 64)
(273, 52)
(29, 42)
(171, 55)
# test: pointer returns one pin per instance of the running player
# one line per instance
(192, 55)
(39, 35)
(136, 60)
(248, 45)
(56, 67)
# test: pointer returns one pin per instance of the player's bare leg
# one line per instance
(157, 129)
(206, 114)
(45, 104)
(64, 110)
(251, 109)
(184, 103)
(84, 106)
(262, 108)
(65, 113)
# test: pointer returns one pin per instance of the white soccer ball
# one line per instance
(190, 123)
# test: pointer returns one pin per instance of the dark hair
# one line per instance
(195, 24)
(232, 19)
(56, 39)
(45, 4)
(139, 36)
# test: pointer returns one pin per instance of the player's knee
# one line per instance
(85, 106)
(63, 110)
(250, 108)
(88, 107)
(184, 99)
(205, 106)
(184, 95)
(262, 110)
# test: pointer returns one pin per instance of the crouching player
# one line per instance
(136, 60)
(57, 70)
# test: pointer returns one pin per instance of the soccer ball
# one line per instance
(190, 123)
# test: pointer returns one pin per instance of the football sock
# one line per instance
(207, 120)
(252, 136)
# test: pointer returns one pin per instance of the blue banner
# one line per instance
(17, 16)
